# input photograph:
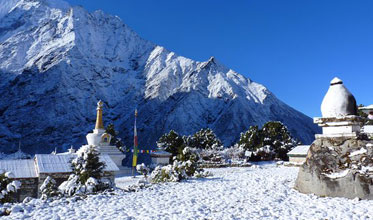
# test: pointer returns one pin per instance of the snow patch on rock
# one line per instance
(337, 174)
(358, 152)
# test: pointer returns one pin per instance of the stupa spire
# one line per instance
(99, 122)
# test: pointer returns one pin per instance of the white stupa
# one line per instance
(101, 140)
(160, 156)
(368, 127)
(368, 110)
(338, 101)
(339, 112)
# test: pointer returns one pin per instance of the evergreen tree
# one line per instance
(277, 136)
(115, 141)
(205, 139)
(272, 141)
(87, 164)
(87, 174)
(251, 139)
(172, 142)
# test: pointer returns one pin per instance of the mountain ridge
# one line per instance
(56, 61)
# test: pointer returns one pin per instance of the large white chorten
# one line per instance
(339, 112)
(337, 161)
(338, 101)
(101, 140)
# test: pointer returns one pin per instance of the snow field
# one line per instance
(259, 192)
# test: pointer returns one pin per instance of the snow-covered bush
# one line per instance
(49, 188)
(142, 169)
(191, 157)
(215, 156)
(73, 186)
(201, 173)
(7, 186)
(184, 166)
(234, 155)
(165, 174)
(87, 174)
(171, 173)
(235, 152)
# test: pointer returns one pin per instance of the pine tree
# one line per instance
(87, 174)
(272, 141)
(277, 136)
(251, 139)
(115, 141)
(205, 139)
(172, 142)
(87, 164)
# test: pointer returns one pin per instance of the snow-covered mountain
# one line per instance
(56, 61)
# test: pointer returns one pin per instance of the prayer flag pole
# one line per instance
(135, 147)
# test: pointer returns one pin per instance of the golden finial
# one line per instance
(99, 122)
(135, 112)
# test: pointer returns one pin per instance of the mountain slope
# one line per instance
(56, 61)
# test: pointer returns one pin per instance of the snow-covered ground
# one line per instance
(260, 192)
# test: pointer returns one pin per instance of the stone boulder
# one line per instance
(338, 167)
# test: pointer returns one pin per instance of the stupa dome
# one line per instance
(99, 137)
(338, 101)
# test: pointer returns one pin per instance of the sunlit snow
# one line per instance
(264, 191)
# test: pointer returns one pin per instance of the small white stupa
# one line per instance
(339, 112)
(101, 140)
(160, 156)
(368, 110)
(368, 127)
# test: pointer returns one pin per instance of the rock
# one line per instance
(27, 200)
(17, 208)
(338, 167)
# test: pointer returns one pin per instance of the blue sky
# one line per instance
(292, 47)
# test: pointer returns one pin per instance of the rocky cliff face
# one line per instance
(56, 61)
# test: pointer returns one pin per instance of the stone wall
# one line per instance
(297, 159)
(109, 175)
(28, 188)
(61, 177)
(58, 177)
(338, 167)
